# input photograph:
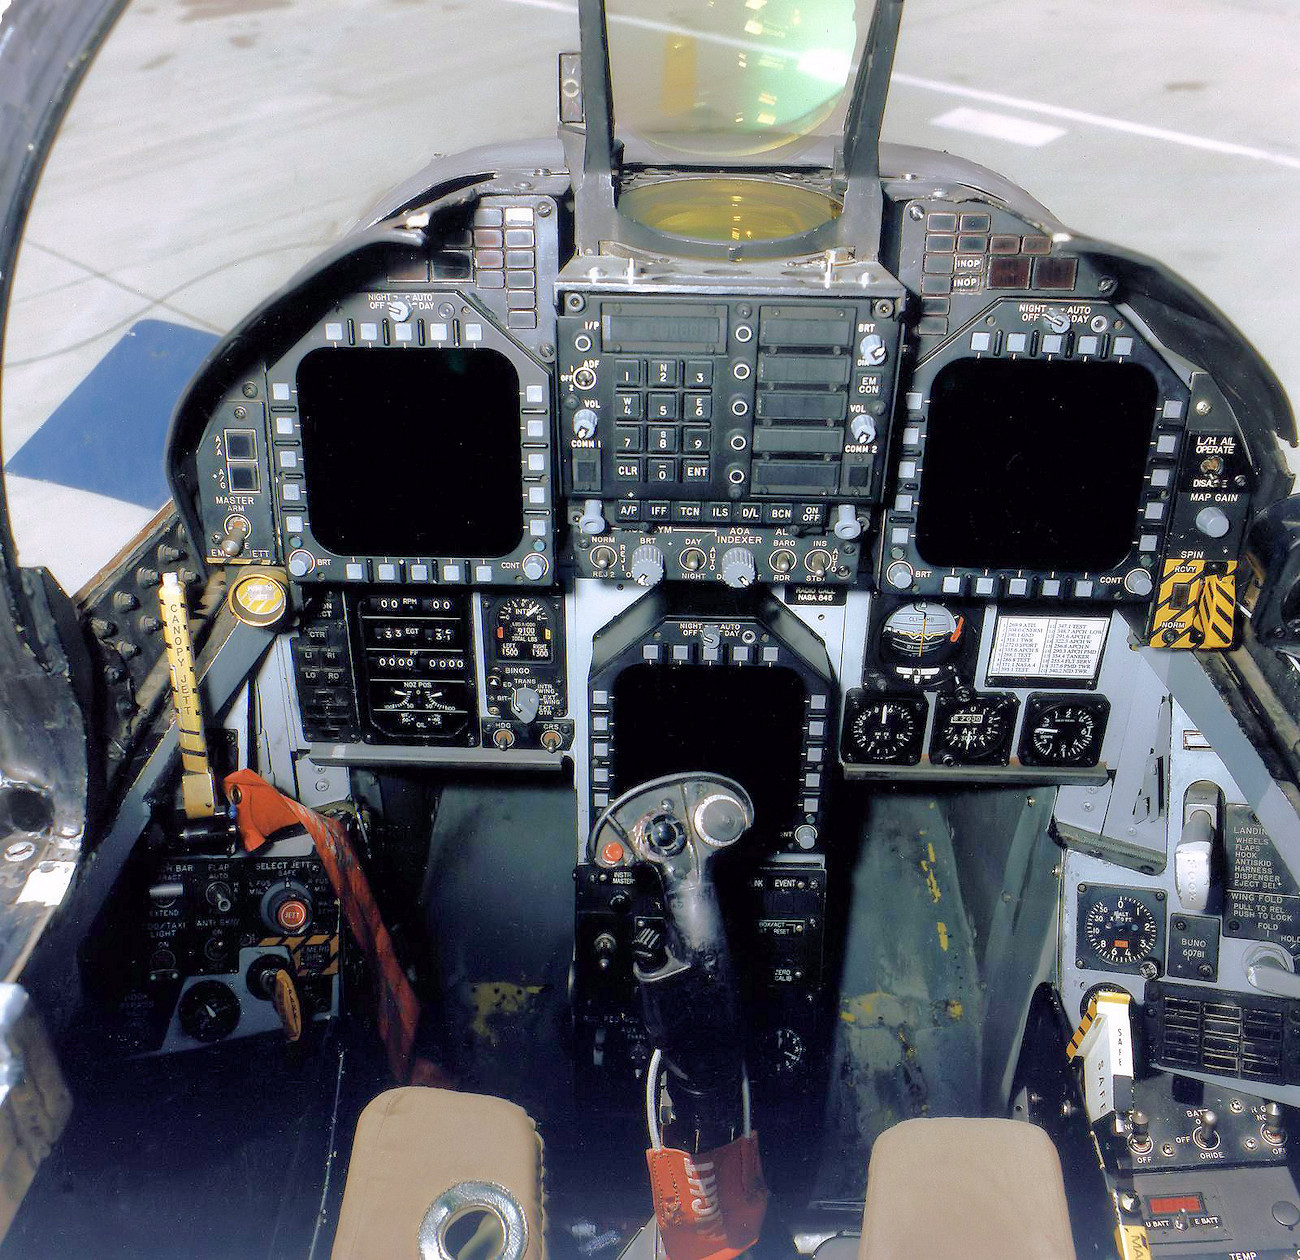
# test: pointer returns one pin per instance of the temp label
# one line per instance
(1048, 647)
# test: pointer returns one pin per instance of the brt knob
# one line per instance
(872, 349)
(647, 567)
(738, 567)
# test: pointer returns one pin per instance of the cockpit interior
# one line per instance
(708, 685)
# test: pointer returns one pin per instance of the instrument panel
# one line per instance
(969, 469)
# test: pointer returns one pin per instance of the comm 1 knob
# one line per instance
(738, 567)
(584, 423)
(647, 566)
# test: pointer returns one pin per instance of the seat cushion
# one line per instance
(965, 1190)
(412, 1145)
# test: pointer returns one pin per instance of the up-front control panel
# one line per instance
(732, 439)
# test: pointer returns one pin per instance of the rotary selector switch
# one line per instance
(873, 350)
(863, 428)
(647, 565)
(738, 567)
(525, 704)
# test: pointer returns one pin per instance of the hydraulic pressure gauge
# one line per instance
(1063, 730)
(972, 729)
(1120, 929)
(209, 1011)
(883, 730)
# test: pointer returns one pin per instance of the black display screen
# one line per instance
(1034, 465)
(412, 452)
(744, 723)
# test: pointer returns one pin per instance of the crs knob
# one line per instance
(738, 567)
(647, 565)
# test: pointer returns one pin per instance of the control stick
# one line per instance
(690, 1000)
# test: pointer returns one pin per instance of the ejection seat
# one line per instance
(462, 1174)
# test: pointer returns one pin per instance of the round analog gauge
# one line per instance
(972, 729)
(209, 1011)
(886, 730)
(787, 1051)
(917, 640)
(1120, 928)
(1064, 731)
(523, 630)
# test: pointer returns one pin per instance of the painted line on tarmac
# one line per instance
(982, 122)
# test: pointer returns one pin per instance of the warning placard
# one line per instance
(1061, 649)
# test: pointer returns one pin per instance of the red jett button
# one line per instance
(292, 915)
(612, 853)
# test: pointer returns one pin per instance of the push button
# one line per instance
(662, 407)
(664, 372)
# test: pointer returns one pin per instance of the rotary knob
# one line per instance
(873, 350)
(738, 567)
(863, 428)
(525, 704)
(647, 567)
(584, 422)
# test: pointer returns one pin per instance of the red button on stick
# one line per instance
(612, 853)
(292, 915)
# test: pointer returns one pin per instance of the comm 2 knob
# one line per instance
(738, 567)
(647, 567)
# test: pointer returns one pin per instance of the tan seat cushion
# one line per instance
(411, 1145)
(965, 1190)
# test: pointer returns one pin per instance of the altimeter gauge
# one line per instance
(973, 729)
(1120, 929)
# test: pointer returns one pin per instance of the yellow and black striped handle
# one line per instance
(198, 788)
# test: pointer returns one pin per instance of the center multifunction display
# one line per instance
(730, 439)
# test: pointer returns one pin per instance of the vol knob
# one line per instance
(738, 567)
(863, 428)
(584, 423)
(647, 567)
